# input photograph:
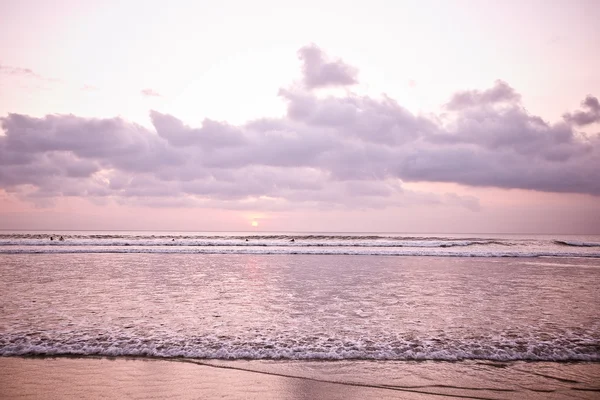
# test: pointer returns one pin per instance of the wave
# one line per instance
(576, 244)
(106, 242)
(426, 252)
(28, 243)
(348, 237)
(308, 348)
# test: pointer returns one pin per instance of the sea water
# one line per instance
(256, 296)
(300, 243)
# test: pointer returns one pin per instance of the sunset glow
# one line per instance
(409, 124)
(299, 199)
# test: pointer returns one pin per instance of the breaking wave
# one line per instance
(304, 348)
(576, 244)
(322, 244)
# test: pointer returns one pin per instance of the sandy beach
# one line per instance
(131, 378)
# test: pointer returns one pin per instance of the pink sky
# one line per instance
(428, 116)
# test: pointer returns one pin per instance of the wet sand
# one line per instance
(135, 378)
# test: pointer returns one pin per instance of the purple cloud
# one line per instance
(349, 151)
(500, 93)
(587, 117)
(319, 72)
(213, 134)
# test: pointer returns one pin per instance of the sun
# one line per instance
(255, 223)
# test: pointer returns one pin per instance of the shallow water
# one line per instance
(303, 307)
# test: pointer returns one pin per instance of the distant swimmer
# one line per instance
(172, 240)
(51, 238)
(62, 239)
(246, 240)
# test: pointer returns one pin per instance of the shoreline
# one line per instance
(91, 377)
(486, 361)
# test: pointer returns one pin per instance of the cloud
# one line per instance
(26, 73)
(500, 93)
(8, 70)
(319, 72)
(326, 152)
(213, 134)
(589, 116)
(150, 93)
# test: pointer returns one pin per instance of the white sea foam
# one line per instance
(225, 241)
(398, 245)
(307, 348)
(292, 250)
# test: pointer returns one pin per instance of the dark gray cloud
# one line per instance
(590, 114)
(318, 71)
(349, 151)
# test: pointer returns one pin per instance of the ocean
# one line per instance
(300, 296)
(370, 244)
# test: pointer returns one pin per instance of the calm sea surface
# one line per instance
(318, 297)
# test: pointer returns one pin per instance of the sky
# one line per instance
(367, 116)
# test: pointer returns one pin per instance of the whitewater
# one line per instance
(301, 243)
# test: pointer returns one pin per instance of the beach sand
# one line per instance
(137, 378)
